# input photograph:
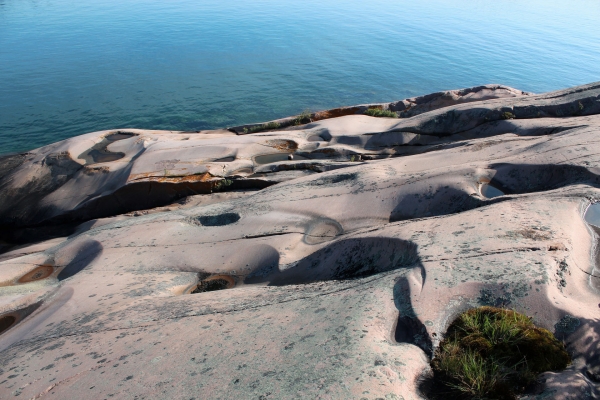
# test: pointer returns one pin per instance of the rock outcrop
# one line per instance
(319, 260)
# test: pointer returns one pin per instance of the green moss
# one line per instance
(223, 183)
(377, 112)
(263, 127)
(303, 118)
(508, 115)
(493, 353)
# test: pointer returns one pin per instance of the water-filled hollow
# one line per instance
(490, 191)
(99, 153)
(39, 273)
(213, 283)
(592, 215)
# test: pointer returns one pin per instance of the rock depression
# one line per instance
(319, 256)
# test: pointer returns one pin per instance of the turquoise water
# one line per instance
(68, 67)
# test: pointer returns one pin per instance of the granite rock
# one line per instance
(341, 267)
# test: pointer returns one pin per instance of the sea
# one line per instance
(71, 67)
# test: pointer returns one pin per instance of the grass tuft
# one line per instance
(222, 184)
(263, 127)
(378, 112)
(493, 353)
(304, 118)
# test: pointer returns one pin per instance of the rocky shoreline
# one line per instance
(318, 256)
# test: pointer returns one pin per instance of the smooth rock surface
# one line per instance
(349, 258)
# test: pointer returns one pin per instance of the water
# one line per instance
(99, 153)
(592, 215)
(68, 67)
(490, 191)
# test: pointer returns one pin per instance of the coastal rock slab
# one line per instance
(158, 264)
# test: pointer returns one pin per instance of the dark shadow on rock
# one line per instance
(334, 179)
(581, 338)
(550, 384)
(393, 139)
(347, 259)
(446, 200)
(18, 237)
(523, 178)
(146, 195)
(86, 252)
(496, 128)
(9, 162)
(359, 258)
(11, 318)
(429, 388)
(350, 140)
(578, 101)
(133, 197)
(21, 206)
(263, 261)
(509, 179)
(409, 328)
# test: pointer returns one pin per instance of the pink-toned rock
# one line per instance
(348, 261)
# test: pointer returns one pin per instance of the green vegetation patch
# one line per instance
(222, 184)
(304, 118)
(494, 353)
(378, 112)
(263, 127)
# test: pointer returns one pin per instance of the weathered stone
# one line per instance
(183, 265)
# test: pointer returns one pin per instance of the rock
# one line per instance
(178, 264)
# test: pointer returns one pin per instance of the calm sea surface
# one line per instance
(70, 67)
